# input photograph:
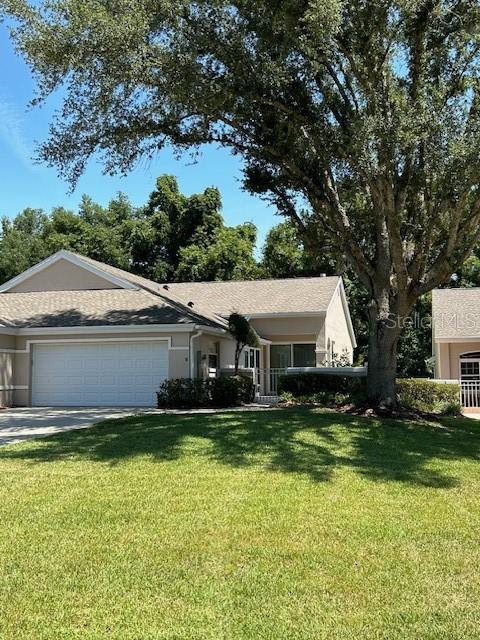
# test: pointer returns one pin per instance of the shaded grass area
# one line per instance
(275, 524)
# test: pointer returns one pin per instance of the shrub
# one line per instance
(231, 391)
(429, 396)
(182, 393)
(322, 398)
(185, 393)
(246, 389)
(307, 384)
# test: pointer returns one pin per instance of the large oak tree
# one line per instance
(361, 116)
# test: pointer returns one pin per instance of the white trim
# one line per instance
(343, 297)
(459, 339)
(74, 259)
(205, 328)
(287, 314)
(2, 350)
(191, 352)
(273, 343)
(125, 328)
(360, 372)
(112, 329)
(19, 387)
(168, 340)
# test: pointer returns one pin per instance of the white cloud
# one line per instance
(12, 134)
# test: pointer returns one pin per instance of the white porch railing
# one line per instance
(267, 382)
(470, 394)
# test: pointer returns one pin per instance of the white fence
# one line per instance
(470, 394)
(267, 382)
(267, 379)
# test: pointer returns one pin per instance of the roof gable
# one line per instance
(64, 271)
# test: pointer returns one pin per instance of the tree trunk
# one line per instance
(382, 362)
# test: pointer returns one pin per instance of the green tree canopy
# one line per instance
(172, 237)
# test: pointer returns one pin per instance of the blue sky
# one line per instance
(25, 184)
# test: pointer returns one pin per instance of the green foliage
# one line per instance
(429, 396)
(307, 384)
(182, 393)
(230, 391)
(330, 390)
(243, 333)
(173, 237)
(328, 399)
(283, 252)
(228, 256)
(186, 393)
(291, 250)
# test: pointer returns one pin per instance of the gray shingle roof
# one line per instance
(456, 313)
(199, 312)
(290, 295)
(87, 308)
(153, 303)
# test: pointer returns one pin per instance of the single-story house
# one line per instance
(77, 332)
(456, 333)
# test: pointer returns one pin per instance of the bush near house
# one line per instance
(185, 393)
(418, 394)
(301, 384)
(429, 396)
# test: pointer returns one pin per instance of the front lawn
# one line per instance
(278, 525)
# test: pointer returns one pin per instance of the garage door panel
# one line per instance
(108, 374)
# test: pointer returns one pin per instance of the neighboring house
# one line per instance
(77, 332)
(456, 334)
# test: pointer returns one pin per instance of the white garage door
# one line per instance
(93, 374)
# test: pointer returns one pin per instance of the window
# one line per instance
(280, 356)
(304, 355)
(470, 370)
(292, 355)
(252, 358)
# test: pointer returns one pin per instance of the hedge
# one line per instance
(305, 384)
(429, 396)
(418, 394)
(186, 393)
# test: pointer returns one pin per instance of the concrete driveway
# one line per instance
(17, 425)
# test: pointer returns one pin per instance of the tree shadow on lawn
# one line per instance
(301, 441)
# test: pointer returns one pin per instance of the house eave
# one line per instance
(106, 329)
(444, 339)
(287, 314)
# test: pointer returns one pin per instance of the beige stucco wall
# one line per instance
(63, 276)
(179, 365)
(207, 344)
(338, 337)
(276, 328)
(6, 370)
(448, 357)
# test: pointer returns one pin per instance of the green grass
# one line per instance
(290, 524)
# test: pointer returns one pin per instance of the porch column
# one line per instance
(321, 358)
